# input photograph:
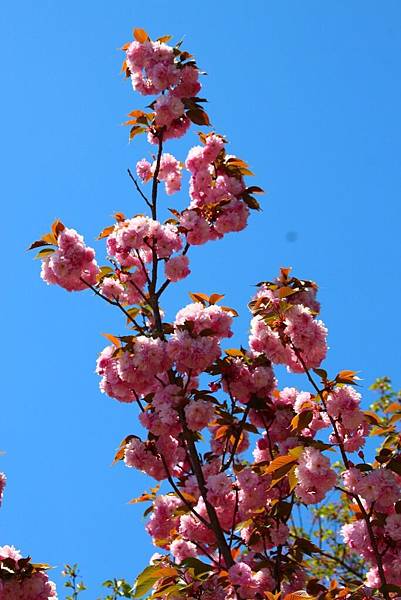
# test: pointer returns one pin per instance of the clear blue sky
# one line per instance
(309, 93)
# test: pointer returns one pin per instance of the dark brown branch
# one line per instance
(277, 568)
(143, 266)
(341, 562)
(153, 298)
(197, 469)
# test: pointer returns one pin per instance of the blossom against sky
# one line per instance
(309, 94)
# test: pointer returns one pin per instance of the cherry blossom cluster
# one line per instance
(343, 406)
(157, 68)
(139, 237)
(195, 343)
(132, 371)
(23, 583)
(170, 172)
(380, 490)
(217, 191)
(314, 475)
(285, 328)
(147, 456)
(19, 578)
(72, 265)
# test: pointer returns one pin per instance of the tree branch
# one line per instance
(361, 507)
(140, 192)
(197, 469)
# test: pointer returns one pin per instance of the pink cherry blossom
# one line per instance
(3, 480)
(315, 477)
(198, 413)
(72, 265)
(177, 268)
(182, 549)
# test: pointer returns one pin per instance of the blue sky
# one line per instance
(309, 93)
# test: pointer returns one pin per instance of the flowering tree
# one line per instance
(243, 463)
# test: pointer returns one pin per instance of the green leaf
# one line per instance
(135, 130)
(145, 581)
(45, 252)
(302, 420)
(197, 565)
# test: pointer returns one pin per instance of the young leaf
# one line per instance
(234, 352)
(279, 463)
(119, 455)
(199, 297)
(50, 239)
(45, 252)
(164, 39)
(347, 377)
(113, 339)
(197, 565)
(302, 420)
(140, 35)
(255, 189)
(198, 116)
(149, 576)
(136, 130)
(299, 595)
(145, 497)
(105, 232)
(214, 298)
(38, 244)
(57, 228)
(292, 479)
(250, 201)
(119, 217)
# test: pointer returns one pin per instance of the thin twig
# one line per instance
(138, 188)
(114, 303)
(361, 507)
(237, 438)
(180, 495)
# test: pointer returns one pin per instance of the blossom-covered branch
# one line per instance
(239, 452)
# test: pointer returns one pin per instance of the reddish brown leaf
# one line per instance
(57, 228)
(198, 116)
(38, 244)
(255, 189)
